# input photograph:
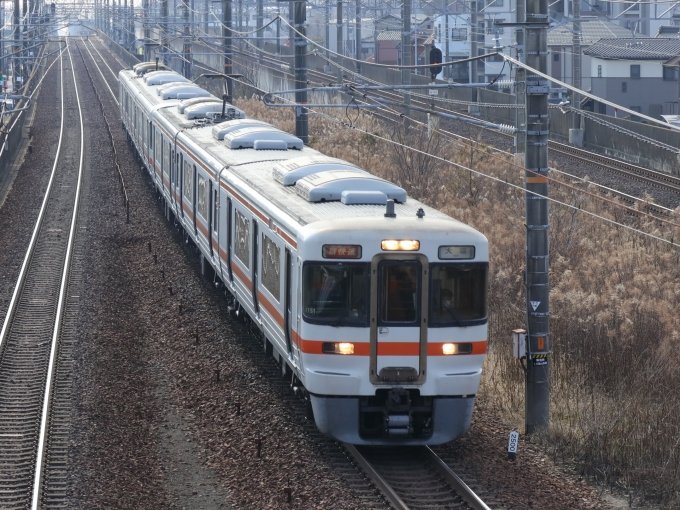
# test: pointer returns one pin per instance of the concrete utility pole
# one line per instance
(278, 29)
(164, 31)
(124, 24)
(340, 45)
(327, 18)
(259, 25)
(520, 79)
(301, 114)
(186, 44)
(447, 73)
(17, 43)
(473, 41)
(576, 133)
(147, 31)
(406, 54)
(357, 35)
(537, 256)
(227, 38)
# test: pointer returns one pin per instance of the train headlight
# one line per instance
(449, 349)
(337, 348)
(400, 245)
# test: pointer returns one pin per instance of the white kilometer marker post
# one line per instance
(512, 445)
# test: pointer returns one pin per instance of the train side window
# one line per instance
(202, 197)
(160, 157)
(166, 157)
(188, 181)
(242, 238)
(271, 267)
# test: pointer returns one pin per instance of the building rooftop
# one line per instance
(591, 32)
(627, 48)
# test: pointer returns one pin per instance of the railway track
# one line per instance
(630, 171)
(38, 330)
(415, 478)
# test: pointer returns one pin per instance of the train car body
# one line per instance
(378, 311)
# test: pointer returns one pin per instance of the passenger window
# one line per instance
(188, 187)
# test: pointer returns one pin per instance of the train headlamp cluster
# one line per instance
(450, 349)
(337, 348)
(400, 245)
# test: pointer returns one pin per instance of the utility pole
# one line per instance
(186, 44)
(164, 31)
(406, 54)
(147, 30)
(447, 71)
(259, 24)
(301, 125)
(520, 84)
(327, 18)
(339, 42)
(227, 38)
(17, 44)
(357, 35)
(473, 41)
(536, 198)
(124, 24)
(278, 29)
(576, 133)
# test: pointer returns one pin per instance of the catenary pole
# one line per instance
(164, 31)
(536, 183)
(576, 62)
(340, 50)
(520, 78)
(227, 38)
(301, 115)
(473, 41)
(147, 31)
(406, 54)
(357, 35)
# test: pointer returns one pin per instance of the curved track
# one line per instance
(33, 330)
(621, 168)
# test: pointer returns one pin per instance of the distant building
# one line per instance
(560, 46)
(630, 72)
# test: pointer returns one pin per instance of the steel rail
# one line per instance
(38, 224)
(37, 486)
(438, 466)
(378, 480)
(455, 481)
(102, 57)
(106, 82)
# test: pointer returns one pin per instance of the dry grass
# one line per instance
(615, 323)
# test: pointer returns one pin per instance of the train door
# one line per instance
(230, 229)
(214, 219)
(194, 177)
(288, 302)
(399, 308)
(180, 187)
(256, 302)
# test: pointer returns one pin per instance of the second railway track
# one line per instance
(34, 327)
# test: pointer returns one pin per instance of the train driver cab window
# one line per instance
(336, 294)
(188, 181)
(458, 294)
(399, 293)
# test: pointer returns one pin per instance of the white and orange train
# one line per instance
(375, 303)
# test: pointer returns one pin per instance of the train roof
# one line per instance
(261, 169)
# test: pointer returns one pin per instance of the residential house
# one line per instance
(560, 46)
(630, 72)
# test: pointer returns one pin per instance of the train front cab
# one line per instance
(404, 340)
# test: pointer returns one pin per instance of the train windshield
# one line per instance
(458, 294)
(336, 294)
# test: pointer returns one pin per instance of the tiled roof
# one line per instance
(389, 35)
(591, 32)
(642, 49)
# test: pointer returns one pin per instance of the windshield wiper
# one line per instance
(344, 313)
(454, 315)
